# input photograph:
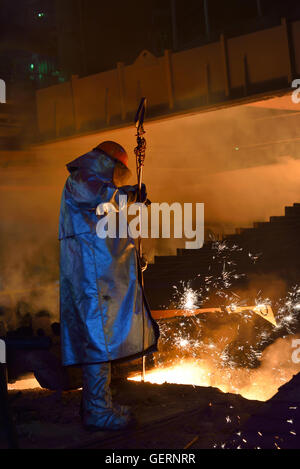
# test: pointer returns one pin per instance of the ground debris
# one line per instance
(168, 416)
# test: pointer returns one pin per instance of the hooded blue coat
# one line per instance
(101, 296)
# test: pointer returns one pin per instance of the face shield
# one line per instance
(121, 174)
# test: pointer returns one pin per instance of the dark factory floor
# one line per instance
(168, 416)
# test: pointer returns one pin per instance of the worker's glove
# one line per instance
(143, 263)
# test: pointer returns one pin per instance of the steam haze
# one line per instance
(226, 159)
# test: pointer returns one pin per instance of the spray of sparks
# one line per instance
(205, 350)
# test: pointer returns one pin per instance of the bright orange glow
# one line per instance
(22, 384)
(251, 384)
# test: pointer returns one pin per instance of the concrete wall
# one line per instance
(213, 73)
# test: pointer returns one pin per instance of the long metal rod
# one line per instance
(140, 157)
(140, 252)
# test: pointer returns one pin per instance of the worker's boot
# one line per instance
(98, 412)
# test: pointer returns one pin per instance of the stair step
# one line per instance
(192, 252)
(278, 219)
(293, 211)
(232, 237)
(247, 231)
(181, 259)
(287, 220)
(239, 231)
(280, 230)
(262, 224)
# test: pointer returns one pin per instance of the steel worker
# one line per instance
(101, 296)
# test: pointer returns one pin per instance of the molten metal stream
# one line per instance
(254, 384)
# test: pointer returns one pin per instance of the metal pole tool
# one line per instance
(140, 153)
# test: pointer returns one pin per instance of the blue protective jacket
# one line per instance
(100, 292)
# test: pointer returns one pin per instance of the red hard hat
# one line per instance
(115, 151)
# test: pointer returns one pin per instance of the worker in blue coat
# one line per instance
(101, 298)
